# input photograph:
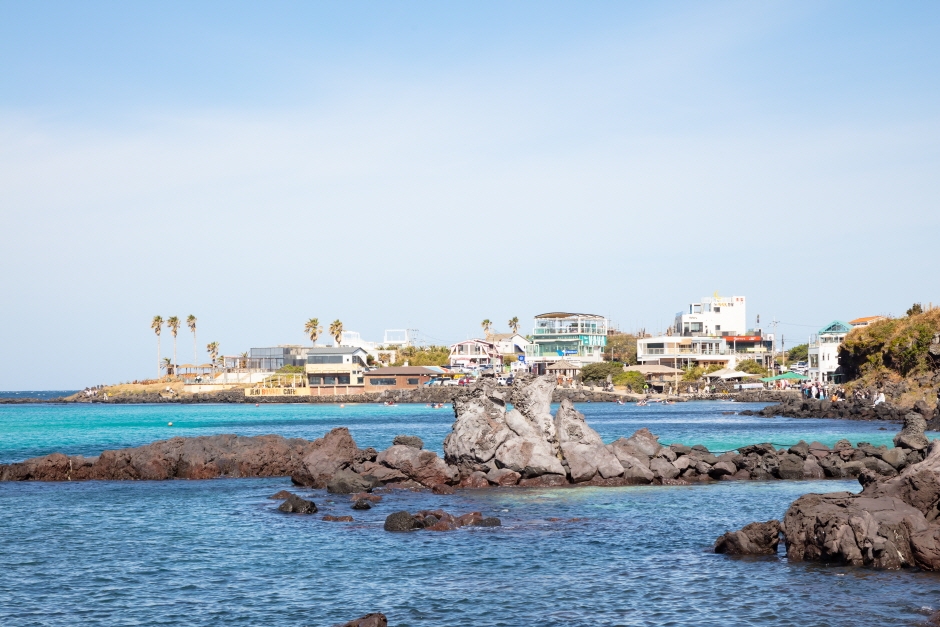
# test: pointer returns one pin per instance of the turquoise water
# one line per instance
(218, 553)
(31, 430)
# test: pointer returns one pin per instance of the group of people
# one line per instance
(822, 391)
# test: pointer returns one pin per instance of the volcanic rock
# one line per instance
(331, 518)
(425, 467)
(753, 539)
(401, 521)
(582, 447)
(912, 435)
(348, 482)
(369, 620)
(296, 505)
(409, 440)
(280, 496)
(362, 504)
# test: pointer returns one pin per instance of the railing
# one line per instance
(570, 331)
(692, 351)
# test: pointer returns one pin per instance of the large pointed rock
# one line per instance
(525, 451)
(328, 454)
(479, 427)
(532, 397)
(582, 447)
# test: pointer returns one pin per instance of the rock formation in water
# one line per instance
(754, 539)
(369, 620)
(893, 523)
(437, 520)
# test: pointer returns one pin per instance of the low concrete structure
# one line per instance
(398, 378)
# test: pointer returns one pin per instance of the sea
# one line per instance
(217, 552)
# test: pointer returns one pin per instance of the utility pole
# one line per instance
(773, 349)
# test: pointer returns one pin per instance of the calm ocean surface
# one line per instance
(217, 553)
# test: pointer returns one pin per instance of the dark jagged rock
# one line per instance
(753, 539)
(912, 435)
(401, 521)
(362, 504)
(332, 518)
(280, 496)
(409, 440)
(347, 482)
(369, 620)
(296, 505)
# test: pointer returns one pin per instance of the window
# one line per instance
(344, 379)
(381, 381)
(412, 381)
(324, 359)
(329, 380)
(359, 380)
(717, 309)
(696, 327)
(717, 328)
(315, 380)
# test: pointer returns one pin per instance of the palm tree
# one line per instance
(243, 361)
(157, 326)
(191, 323)
(336, 331)
(213, 349)
(167, 365)
(173, 324)
(514, 324)
(313, 329)
(487, 325)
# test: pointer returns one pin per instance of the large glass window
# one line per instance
(381, 381)
(329, 380)
(315, 380)
(324, 359)
(412, 381)
(344, 379)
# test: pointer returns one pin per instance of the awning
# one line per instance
(785, 375)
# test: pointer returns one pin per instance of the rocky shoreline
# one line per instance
(893, 523)
(489, 445)
(799, 407)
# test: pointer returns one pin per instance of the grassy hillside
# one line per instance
(897, 354)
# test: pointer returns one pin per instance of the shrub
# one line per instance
(632, 379)
(693, 373)
(800, 352)
(751, 367)
(599, 371)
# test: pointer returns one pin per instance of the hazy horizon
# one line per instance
(426, 166)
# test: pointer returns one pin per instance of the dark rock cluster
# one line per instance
(893, 523)
(795, 406)
(436, 520)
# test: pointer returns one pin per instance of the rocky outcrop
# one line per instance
(753, 539)
(893, 523)
(409, 440)
(203, 457)
(582, 448)
(796, 406)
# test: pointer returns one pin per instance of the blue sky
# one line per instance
(428, 165)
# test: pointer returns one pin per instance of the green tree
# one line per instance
(313, 329)
(751, 367)
(191, 323)
(157, 326)
(336, 331)
(167, 365)
(693, 373)
(598, 372)
(213, 349)
(514, 324)
(173, 324)
(633, 380)
(423, 356)
(915, 309)
(621, 347)
(800, 352)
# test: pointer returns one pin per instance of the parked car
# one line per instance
(435, 381)
(464, 381)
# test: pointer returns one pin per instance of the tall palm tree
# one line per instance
(173, 324)
(336, 331)
(487, 325)
(514, 324)
(157, 326)
(313, 329)
(243, 361)
(167, 365)
(213, 349)
(191, 323)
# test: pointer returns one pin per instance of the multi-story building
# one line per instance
(399, 378)
(474, 353)
(335, 370)
(577, 338)
(824, 351)
(272, 358)
(712, 332)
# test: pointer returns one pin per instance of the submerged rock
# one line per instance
(369, 620)
(296, 505)
(401, 521)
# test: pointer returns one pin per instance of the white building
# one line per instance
(714, 316)
(824, 351)
(474, 354)
(712, 332)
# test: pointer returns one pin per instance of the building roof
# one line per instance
(474, 340)
(866, 319)
(562, 314)
(403, 370)
(653, 369)
(334, 350)
(563, 365)
(836, 326)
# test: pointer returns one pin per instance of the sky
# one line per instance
(426, 165)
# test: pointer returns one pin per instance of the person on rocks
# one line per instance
(879, 399)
